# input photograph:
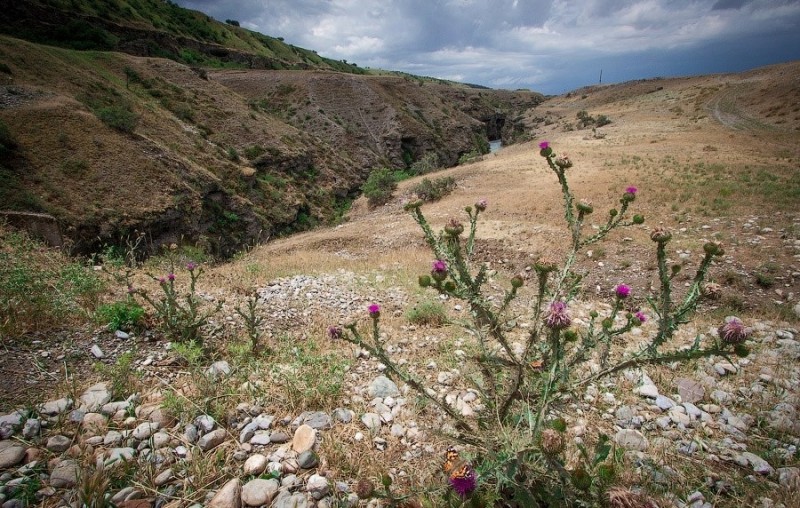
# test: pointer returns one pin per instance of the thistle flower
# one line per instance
(631, 190)
(191, 265)
(463, 480)
(557, 317)
(481, 204)
(551, 442)
(622, 291)
(171, 276)
(335, 332)
(641, 316)
(544, 149)
(629, 194)
(544, 145)
(162, 280)
(714, 248)
(374, 311)
(660, 235)
(733, 331)
(439, 266)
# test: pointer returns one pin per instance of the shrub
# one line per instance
(428, 163)
(433, 190)
(118, 117)
(379, 187)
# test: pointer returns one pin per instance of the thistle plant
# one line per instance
(179, 314)
(517, 438)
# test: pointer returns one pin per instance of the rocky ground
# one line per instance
(304, 420)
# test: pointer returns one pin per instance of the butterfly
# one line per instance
(455, 467)
(459, 473)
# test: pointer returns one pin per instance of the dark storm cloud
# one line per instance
(546, 45)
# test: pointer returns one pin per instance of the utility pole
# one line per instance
(601, 76)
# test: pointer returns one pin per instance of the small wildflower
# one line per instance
(544, 145)
(439, 270)
(544, 149)
(660, 235)
(622, 291)
(335, 332)
(374, 311)
(641, 316)
(733, 331)
(631, 190)
(481, 204)
(171, 276)
(557, 317)
(551, 441)
(629, 194)
(191, 265)
(162, 280)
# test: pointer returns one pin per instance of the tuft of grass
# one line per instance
(427, 313)
(40, 288)
(122, 315)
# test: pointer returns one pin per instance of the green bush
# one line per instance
(428, 312)
(122, 315)
(433, 190)
(428, 163)
(379, 187)
(118, 117)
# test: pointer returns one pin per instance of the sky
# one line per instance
(549, 46)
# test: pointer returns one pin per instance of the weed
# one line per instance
(252, 322)
(433, 190)
(122, 315)
(379, 187)
(123, 374)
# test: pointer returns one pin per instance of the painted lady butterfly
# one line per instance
(455, 467)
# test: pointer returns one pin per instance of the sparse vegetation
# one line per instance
(379, 187)
(434, 190)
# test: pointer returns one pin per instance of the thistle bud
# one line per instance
(714, 248)
(481, 205)
(675, 269)
(439, 270)
(517, 282)
(638, 219)
(563, 162)
(412, 205)
(593, 314)
(584, 206)
(544, 265)
(661, 235)
(468, 209)
(364, 488)
(570, 335)
(386, 480)
(613, 212)
(449, 286)
(424, 281)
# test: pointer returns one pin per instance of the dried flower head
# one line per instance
(481, 204)
(733, 331)
(364, 488)
(660, 235)
(714, 248)
(454, 227)
(335, 332)
(557, 317)
(622, 291)
(544, 265)
(564, 162)
(711, 290)
(641, 316)
(551, 442)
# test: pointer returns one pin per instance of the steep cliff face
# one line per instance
(113, 145)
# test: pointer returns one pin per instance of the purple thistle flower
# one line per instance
(631, 190)
(191, 265)
(374, 311)
(162, 280)
(439, 266)
(733, 331)
(335, 332)
(481, 204)
(557, 317)
(171, 276)
(463, 480)
(622, 291)
(544, 145)
(641, 316)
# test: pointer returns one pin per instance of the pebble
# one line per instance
(211, 440)
(372, 422)
(382, 387)
(10, 454)
(229, 496)
(259, 492)
(317, 486)
(305, 437)
(631, 439)
(647, 390)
